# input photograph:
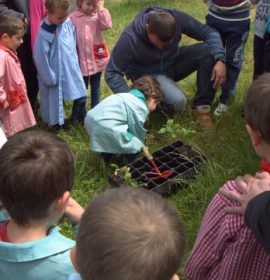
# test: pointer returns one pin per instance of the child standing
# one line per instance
(15, 110)
(129, 233)
(36, 177)
(261, 43)
(115, 125)
(89, 20)
(58, 68)
(231, 18)
(225, 247)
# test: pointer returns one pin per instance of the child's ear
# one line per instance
(73, 257)
(4, 36)
(254, 135)
(62, 201)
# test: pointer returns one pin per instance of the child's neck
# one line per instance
(3, 44)
(32, 232)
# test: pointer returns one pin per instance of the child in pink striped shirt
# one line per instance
(225, 247)
(89, 20)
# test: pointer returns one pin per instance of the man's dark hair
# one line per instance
(150, 87)
(129, 234)
(163, 25)
(257, 106)
(11, 25)
(36, 168)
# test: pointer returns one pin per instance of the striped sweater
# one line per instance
(230, 10)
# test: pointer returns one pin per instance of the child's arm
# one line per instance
(3, 95)
(104, 16)
(211, 242)
(46, 74)
(73, 211)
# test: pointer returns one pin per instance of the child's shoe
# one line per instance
(203, 117)
(221, 108)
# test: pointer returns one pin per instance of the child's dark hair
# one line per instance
(150, 87)
(11, 26)
(129, 234)
(163, 25)
(257, 106)
(52, 5)
(36, 168)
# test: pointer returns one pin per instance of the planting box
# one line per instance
(178, 157)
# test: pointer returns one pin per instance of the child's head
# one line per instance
(257, 112)
(36, 169)
(57, 11)
(151, 89)
(12, 31)
(129, 233)
(87, 6)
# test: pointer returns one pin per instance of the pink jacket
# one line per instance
(37, 13)
(19, 115)
(92, 51)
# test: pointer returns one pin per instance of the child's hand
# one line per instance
(73, 211)
(100, 5)
(5, 104)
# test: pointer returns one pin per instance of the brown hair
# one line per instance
(129, 234)
(163, 25)
(79, 3)
(52, 5)
(257, 106)
(36, 167)
(150, 87)
(11, 25)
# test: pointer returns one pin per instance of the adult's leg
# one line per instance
(175, 100)
(95, 88)
(78, 109)
(266, 58)
(29, 71)
(258, 55)
(193, 58)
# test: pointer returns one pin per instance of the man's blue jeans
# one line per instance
(191, 58)
(234, 36)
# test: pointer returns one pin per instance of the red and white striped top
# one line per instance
(225, 247)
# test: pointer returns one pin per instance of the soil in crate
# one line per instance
(178, 157)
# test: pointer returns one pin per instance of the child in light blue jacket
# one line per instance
(56, 59)
(115, 125)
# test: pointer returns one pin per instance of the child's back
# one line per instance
(36, 175)
(225, 247)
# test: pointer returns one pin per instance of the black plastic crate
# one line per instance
(179, 157)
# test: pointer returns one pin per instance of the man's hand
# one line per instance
(73, 211)
(219, 74)
(250, 187)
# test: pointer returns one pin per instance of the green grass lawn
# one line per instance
(227, 147)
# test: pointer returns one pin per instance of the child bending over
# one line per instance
(36, 177)
(15, 110)
(225, 247)
(115, 125)
(89, 20)
(129, 234)
(56, 59)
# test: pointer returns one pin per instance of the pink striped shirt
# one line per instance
(88, 30)
(225, 247)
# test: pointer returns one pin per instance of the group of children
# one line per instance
(125, 233)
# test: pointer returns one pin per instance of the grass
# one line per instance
(227, 147)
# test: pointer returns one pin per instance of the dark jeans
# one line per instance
(234, 36)
(261, 54)
(78, 109)
(191, 58)
(94, 86)
(120, 160)
(29, 70)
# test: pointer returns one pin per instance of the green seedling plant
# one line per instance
(124, 172)
(174, 129)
